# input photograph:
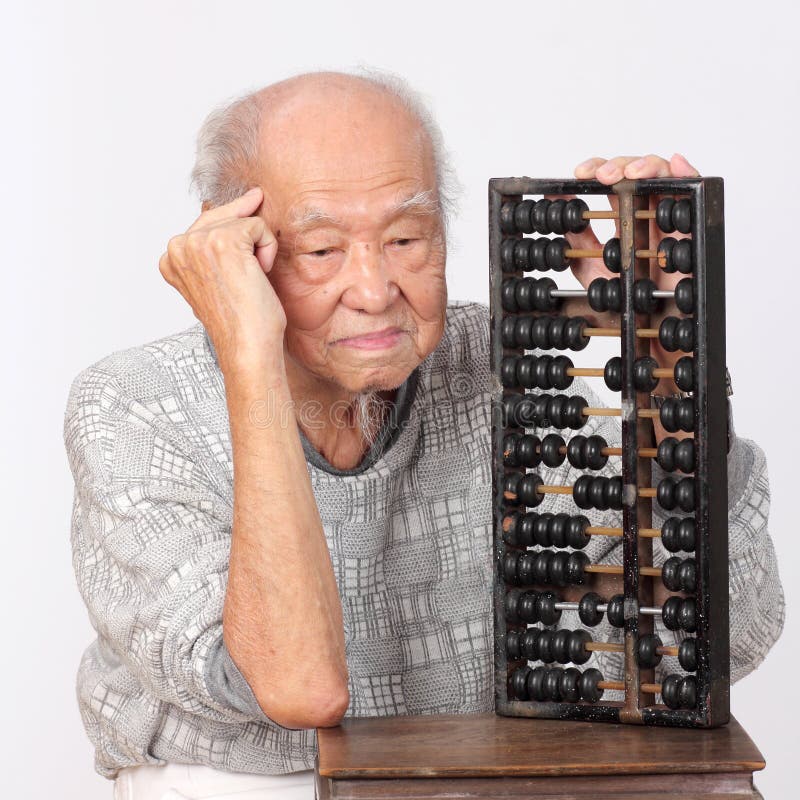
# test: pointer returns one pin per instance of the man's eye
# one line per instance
(326, 251)
(402, 242)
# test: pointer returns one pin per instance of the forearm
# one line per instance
(282, 603)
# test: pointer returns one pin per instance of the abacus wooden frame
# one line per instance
(710, 431)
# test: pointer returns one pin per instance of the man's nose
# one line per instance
(370, 286)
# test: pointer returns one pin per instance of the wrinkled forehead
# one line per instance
(369, 147)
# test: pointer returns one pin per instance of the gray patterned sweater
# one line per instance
(409, 532)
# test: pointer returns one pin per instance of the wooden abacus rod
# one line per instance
(599, 372)
(614, 647)
(647, 688)
(642, 214)
(644, 452)
(545, 489)
(570, 252)
(617, 569)
(644, 413)
(600, 530)
(642, 333)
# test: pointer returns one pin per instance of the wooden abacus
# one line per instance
(539, 556)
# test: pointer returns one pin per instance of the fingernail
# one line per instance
(585, 165)
(254, 190)
(638, 164)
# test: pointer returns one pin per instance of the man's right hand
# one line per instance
(220, 268)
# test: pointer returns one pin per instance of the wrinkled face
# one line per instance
(349, 188)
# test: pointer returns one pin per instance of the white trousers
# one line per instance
(198, 782)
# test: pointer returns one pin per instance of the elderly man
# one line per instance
(283, 514)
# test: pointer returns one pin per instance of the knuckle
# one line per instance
(217, 240)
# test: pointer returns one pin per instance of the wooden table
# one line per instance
(488, 756)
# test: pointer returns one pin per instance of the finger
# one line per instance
(265, 245)
(614, 169)
(681, 168)
(586, 170)
(651, 166)
(243, 206)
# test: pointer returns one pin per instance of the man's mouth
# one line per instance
(374, 340)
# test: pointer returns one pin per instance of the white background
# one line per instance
(101, 103)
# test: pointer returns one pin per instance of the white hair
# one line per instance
(228, 144)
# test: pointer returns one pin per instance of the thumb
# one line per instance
(681, 168)
(243, 206)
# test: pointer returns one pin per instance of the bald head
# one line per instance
(316, 112)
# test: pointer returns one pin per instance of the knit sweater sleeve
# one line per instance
(150, 542)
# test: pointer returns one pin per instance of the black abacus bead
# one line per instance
(558, 340)
(540, 333)
(555, 410)
(644, 301)
(528, 607)
(598, 497)
(510, 450)
(687, 576)
(682, 216)
(669, 534)
(508, 332)
(643, 378)
(616, 611)
(596, 295)
(527, 490)
(587, 609)
(532, 371)
(687, 654)
(534, 256)
(548, 613)
(687, 615)
(527, 451)
(529, 645)
(614, 294)
(577, 538)
(526, 567)
(664, 215)
(580, 491)
(665, 493)
(683, 256)
(670, 691)
(665, 248)
(549, 450)
(511, 605)
(555, 217)
(590, 692)
(572, 217)
(614, 492)
(558, 530)
(684, 335)
(521, 334)
(666, 334)
(575, 572)
(518, 683)
(525, 527)
(684, 295)
(670, 612)
(522, 216)
(612, 374)
(612, 255)
(551, 684)
(511, 530)
(509, 568)
(665, 454)
(508, 371)
(576, 648)
(540, 567)
(677, 414)
(593, 452)
(511, 488)
(513, 649)
(533, 685)
(669, 574)
(508, 295)
(558, 568)
(539, 217)
(684, 494)
(686, 534)
(687, 692)
(646, 651)
(570, 685)
(559, 646)
(507, 224)
(541, 530)
(541, 410)
(573, 333)
(558, 372)
(573, 412)
(575, 454)
(507, 260)
(684, 455)
(525, 293)
(554, 254)
(686, 417)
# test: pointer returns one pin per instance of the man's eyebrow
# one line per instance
(422, 202)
